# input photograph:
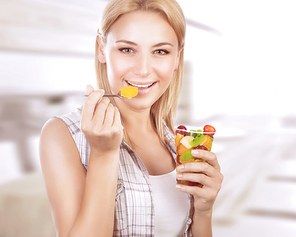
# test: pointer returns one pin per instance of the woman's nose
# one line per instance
(142, 65)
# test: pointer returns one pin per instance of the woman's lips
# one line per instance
(142, 88)
(140, 85)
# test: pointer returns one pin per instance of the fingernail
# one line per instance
(181, 167)
(179, 175)
(194, 152)
(178, 186)
(88, 90)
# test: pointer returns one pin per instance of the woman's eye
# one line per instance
(161, 52)
(126, 50)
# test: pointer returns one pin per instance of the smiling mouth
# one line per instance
(140, 86)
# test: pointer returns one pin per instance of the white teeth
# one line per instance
(140, 86)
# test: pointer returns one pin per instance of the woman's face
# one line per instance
(142, 51)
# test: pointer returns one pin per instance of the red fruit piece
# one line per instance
(189, 183)
(178, 160)
(181, 129)
(200, 148)
(209, 130)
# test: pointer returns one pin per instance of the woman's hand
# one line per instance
(206, 173)
(101, 123)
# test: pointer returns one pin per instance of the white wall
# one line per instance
(247, 69)
(250, 67)
(23, 71)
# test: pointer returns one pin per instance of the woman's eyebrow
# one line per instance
(126, 42)
(133, 43)
(162, 44)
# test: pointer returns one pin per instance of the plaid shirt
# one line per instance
(134, 210)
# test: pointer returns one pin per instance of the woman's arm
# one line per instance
(208, 174)
(63, 173)
(83, 202)
(202, 224)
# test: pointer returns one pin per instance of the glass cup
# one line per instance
(189, 138)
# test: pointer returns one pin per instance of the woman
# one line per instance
(110, 168)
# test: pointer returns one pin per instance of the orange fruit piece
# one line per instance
(207, 143)
(178, 139)
(181, 149)
(129, 91)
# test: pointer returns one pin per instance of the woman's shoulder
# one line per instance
(61, 136)
(66, 129)
(55, 131)
(72, 120)
(63, 124)
(55, 142)
(61, 130)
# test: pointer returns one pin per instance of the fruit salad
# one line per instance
(129, 91)
(186, 141)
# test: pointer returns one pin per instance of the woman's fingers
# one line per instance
(90, 105)
(206, 181)
(209, 157)
(207, 173)
(205, 195)
(101, 123)
(195, 177)
(211, 185)
(109, 116)
(117, 118)
(100, 111)
(89, 89)
(198, 167)
(200, 172)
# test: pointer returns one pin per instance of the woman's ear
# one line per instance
(101, 54)
(178, 56)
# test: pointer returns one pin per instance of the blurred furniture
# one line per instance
(24, 208)
(22, 115)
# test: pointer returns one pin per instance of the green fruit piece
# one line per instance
(186, 156)
(197, 140)
(195, 133)
(192, 133)
(199, 133)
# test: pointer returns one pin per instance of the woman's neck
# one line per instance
(138, 124)
(135, 120)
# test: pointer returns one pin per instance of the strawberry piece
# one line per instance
(209, 130)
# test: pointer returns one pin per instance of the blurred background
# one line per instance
(239, 76)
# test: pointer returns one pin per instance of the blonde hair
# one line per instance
(164, 109)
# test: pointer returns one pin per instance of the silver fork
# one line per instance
(118, 95)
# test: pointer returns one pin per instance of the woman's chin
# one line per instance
(138, 103)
